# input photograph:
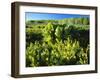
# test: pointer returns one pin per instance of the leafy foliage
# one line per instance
(57, 44)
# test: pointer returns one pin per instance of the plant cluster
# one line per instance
(57, 44)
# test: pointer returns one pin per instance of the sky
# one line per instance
(50, 16)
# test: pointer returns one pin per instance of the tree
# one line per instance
(86, 21)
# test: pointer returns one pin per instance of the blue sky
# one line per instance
(49, 16)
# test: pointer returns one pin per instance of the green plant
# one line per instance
(50, 43)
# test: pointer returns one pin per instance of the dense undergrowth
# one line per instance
(57, 44)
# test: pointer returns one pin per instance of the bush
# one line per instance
(48, 54)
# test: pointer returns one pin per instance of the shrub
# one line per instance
(49, 54)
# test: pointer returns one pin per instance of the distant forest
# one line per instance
(67, 21)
